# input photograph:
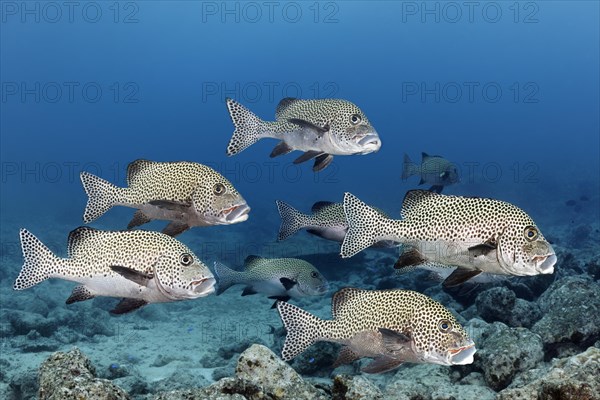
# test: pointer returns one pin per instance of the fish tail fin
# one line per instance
(303, 329)
(39, 262)
(226, 277)
(365, 226)
(409, 168)
(292, 220)
(102, 196)
(248, 127)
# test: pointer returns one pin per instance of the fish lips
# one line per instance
(370, 143)
(204, 286)
(462, 355)
(545, 264)
(237, 213)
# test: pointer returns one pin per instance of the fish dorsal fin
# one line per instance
(319, 205)
(343, 301)
(283, 105)
(78, 238)
(251, 261)
(413, 198)
(135, 167)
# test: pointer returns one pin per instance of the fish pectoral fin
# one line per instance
(277, 299)
(436, 188)
(179, 206)
(80, 293)
(395, 341)
(409, 258)
(288, 283)
(313, 231)
(248, 290)
(141, 278)
(139, 218)
(422, 181)
(460, 275)
(381, 364)
(128, 305)
(322, 161)
(280, 149)
(345, 356)
(175, 228)
(483, 249)
(308, 155)
(321, 130)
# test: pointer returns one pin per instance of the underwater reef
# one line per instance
(536, 337)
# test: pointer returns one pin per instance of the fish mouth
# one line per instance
(462, 355)
(545, 264)
(370, 143)
(237, 213)
(204, 286)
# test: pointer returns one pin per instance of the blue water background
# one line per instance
(164, 70)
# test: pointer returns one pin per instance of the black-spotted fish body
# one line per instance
(186, 193)
(391, 326)
(320, 128)
(474, 234)
(327, 220)
(278, 278)
(140, 266)
(433, 170)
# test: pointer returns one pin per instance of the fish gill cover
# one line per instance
(496, 100)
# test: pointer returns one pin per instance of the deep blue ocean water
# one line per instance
(509, 91)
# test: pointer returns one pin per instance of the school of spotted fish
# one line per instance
(458, 238)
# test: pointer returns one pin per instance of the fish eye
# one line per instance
(355, 119)
(444, 326)
(314, 274)
(219, 189)
(186, 259)
(531, 233)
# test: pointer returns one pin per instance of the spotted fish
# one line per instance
(278, 278)
(141, 267)
(185, 193)
(474, 234)
(434, 170)
(390, 326)
(320, 128)
(327, 221)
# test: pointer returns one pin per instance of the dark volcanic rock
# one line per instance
(571, 309)
(506, 351)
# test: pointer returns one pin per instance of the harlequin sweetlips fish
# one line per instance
(320, 128)
(141, 267)
(390, 326)
(433, 170)
(278, 278)
(185, 193)
(474, 234)
(327, 220)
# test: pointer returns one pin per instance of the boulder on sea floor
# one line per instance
(570, 378)
(71, 375)
(571, 321)
(259, 374)
(505, 351)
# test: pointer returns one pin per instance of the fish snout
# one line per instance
(203, 286)
(462, 355)
(545, 264)
(370, 143)
(237, 213)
